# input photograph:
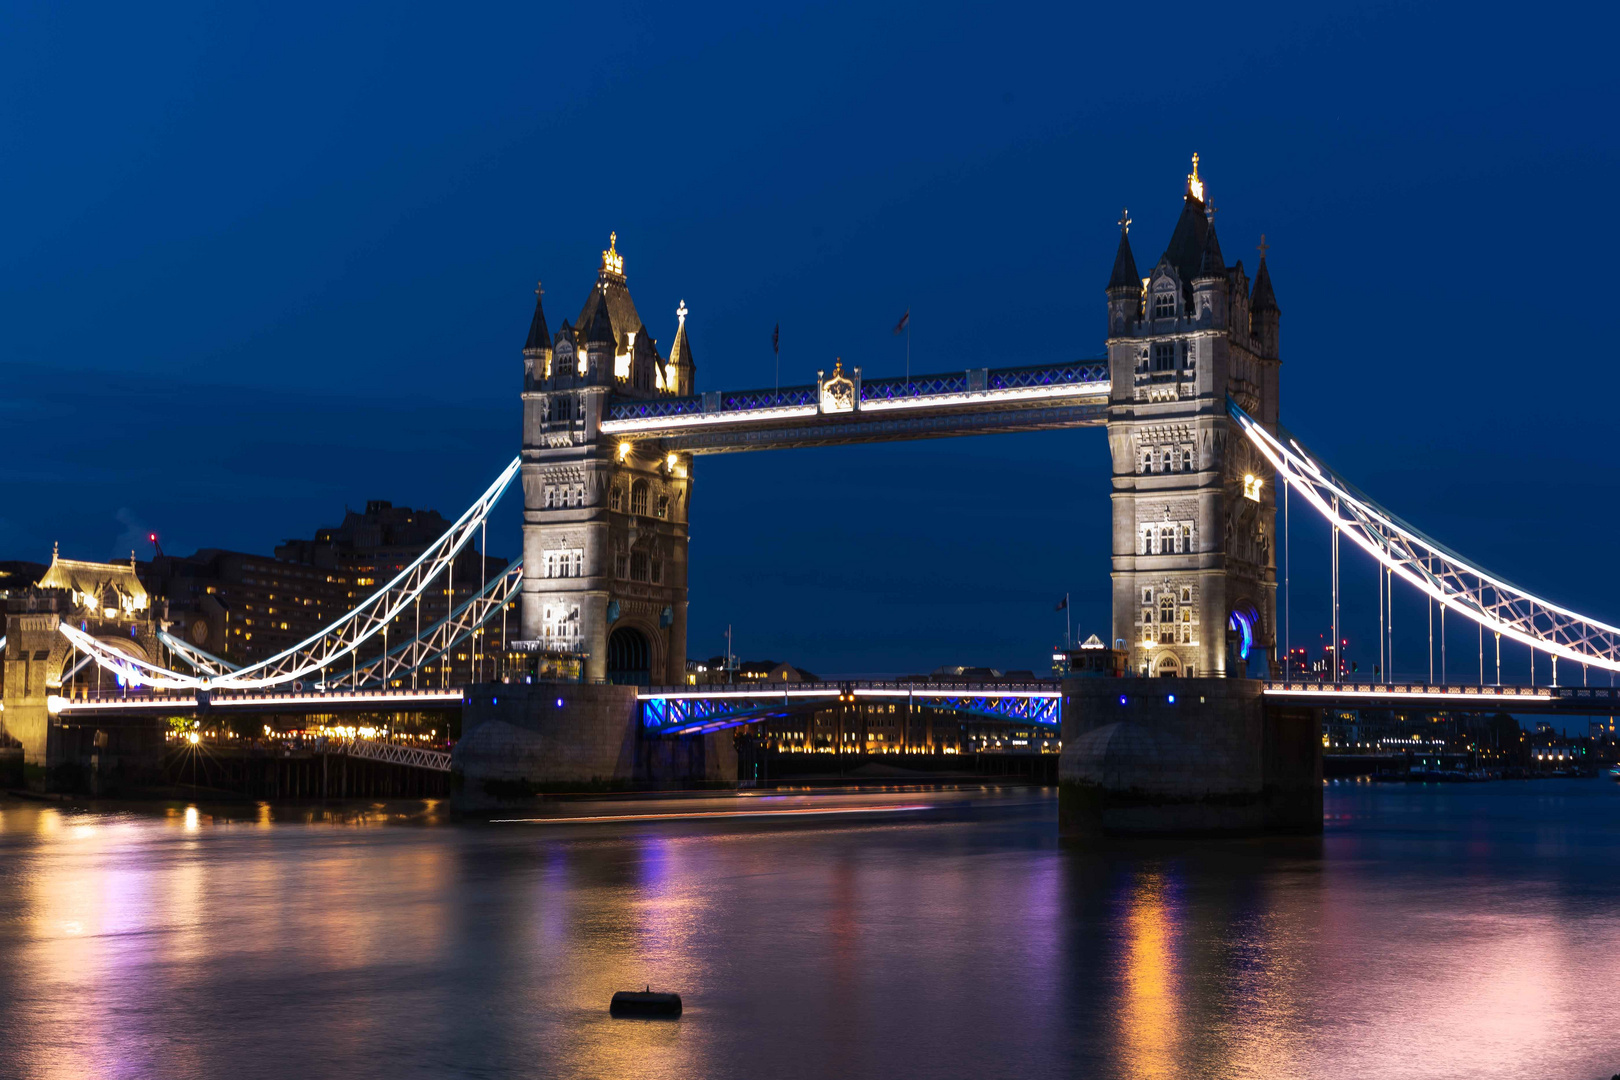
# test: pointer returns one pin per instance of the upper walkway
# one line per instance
(844, 408)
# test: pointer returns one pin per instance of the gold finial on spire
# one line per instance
(680, 313)
(612, 261)
(1124, 220)
(1262, 247)
(55, 546)
(1195, 186)
(539, 289)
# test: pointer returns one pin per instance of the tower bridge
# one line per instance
(1189, 394)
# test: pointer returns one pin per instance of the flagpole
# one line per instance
(908, 344)
(1068, 622)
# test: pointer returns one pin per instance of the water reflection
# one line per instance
(1150, 1013)
(259, 941)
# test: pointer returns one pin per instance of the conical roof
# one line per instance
(1186, 249)
(539, 336)
(1124, 275)
(681, 352)
(1263, 299)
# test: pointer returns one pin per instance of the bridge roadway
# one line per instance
(684, 710)
(844, 408)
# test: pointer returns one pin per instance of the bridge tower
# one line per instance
(1194, 553)
(604, 520)
(107, 601)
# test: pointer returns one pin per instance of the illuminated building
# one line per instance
(604, 521)
(1194, 511)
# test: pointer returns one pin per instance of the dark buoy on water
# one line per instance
(645, 1003)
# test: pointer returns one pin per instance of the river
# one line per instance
(1432, 931)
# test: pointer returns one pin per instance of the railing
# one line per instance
(1507, 697)
(686, 710)
(415, 757)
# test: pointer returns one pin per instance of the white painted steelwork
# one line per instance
(330, 645)
(1432, 568)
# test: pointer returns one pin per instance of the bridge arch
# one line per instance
(630, 656)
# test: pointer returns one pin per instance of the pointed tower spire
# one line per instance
(1124, 274)
(1265, 318)
(539, 334)
(681, 366)
(1263, 298)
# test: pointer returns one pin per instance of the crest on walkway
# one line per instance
(838, 391)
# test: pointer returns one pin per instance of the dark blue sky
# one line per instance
(262, 261)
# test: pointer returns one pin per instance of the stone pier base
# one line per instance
(520, 743)
(1186, 756)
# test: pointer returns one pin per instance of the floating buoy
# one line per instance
(645, 1003)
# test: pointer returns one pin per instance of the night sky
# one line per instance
(262, 261)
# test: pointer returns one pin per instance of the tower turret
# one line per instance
(537, 347)
(1265, 317)
(682, 370)
(1124, 286)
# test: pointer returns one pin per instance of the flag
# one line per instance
(776, 340)
(905, 321)
(1061, 604)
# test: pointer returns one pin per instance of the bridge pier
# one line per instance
(1186, 756)
(520, 742)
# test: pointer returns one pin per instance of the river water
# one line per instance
(1433, 931)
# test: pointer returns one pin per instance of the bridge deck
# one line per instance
(976, 402)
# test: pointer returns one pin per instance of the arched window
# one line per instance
(1185, 543)
(617, 498)
(1167, 461)
(1147, 548)
(1186, 461)
(1167, 621)
(638, 498)
(1166, 541)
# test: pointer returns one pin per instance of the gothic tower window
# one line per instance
(638, 498)
(1186, 461)
(1164, 356)
(1167, 621)
(1166, 541)
(617, 498)
(1167, 461)
(1164, 304)
(638, 566)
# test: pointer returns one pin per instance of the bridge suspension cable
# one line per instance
(335, 642)
(441, 637)
(1441, 574)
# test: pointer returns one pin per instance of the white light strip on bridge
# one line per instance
(68, 705)
(352, 697)
(937, 693)
(1415, 695)
(397, 697)
(655, 423)
(1293, 464)
(1023, 393)
(970, 397)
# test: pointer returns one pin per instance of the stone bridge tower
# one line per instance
(107, 601)
(604, 520)
(1194, 553)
